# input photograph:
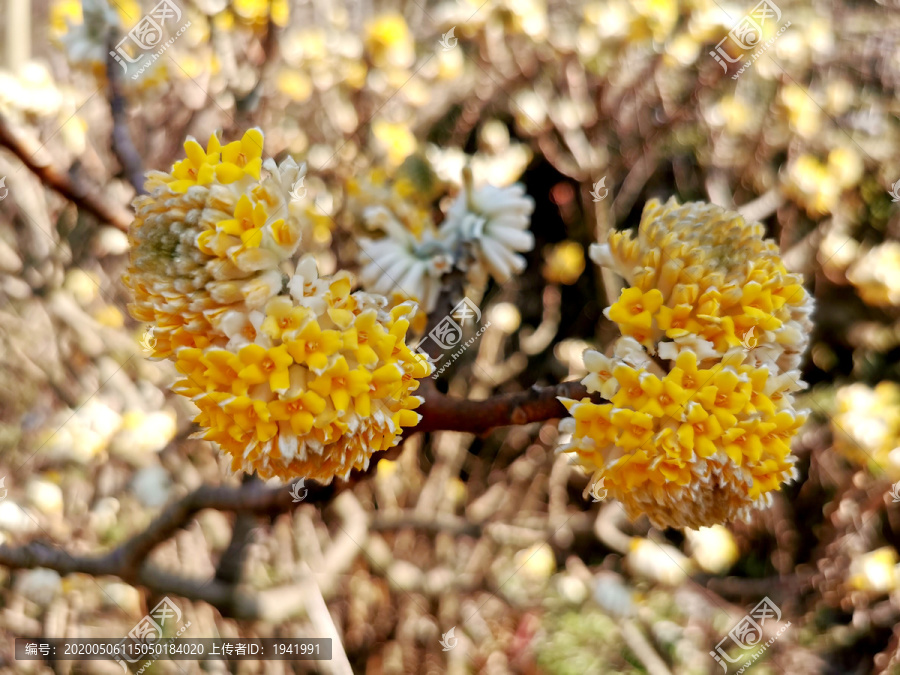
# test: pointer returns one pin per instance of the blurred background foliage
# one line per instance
(490, 535)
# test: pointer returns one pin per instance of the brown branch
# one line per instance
(128, 561)
(446, 413)
(231, 563)
(121, 139)
(249, 498)
(83, 198)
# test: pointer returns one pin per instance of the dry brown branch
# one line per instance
(446, 413)
(127, 561)
(232, 561)
(86, 199)
(121, 139)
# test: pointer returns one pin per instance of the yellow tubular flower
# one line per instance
(700, 435)
(294, 375)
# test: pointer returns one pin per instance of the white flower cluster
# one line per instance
(484, 232)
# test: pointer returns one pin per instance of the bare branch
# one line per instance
(121, 139)
(83, 198)
(446, 413)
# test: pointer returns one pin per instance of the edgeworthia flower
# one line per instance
(700, 435)
(401, 262)
(294, 374)
(493, 222)
(407, 263)
(483, 233)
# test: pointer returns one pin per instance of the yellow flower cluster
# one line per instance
(701, 434)
(294, 375)
(207, 243)
(701, 277)
(866, 426)
(328, 382)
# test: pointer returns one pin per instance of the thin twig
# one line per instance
(86, 199)
(232, 561)
(121, 139)
(251, 498)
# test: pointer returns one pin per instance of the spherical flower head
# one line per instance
(493, 222)
(329, 382)
(208, 241)
(706, 280)
(700, 434)
(294, 374)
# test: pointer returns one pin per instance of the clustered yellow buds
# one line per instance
(294, 375)
(701, 433)
(207, 243)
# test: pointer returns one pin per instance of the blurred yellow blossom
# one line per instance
(564, 262)
(64, 13)
(259, 11)
(804, 114)
(110, 315)
(389, 42)
(866, 426)
(295, 84)
(876, 275)
(814, 184)
(876, 571)
(397, 140)
(536, 561)
(714, 549)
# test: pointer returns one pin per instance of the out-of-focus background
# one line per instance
(788, 112)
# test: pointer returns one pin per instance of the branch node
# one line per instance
(519, 416)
